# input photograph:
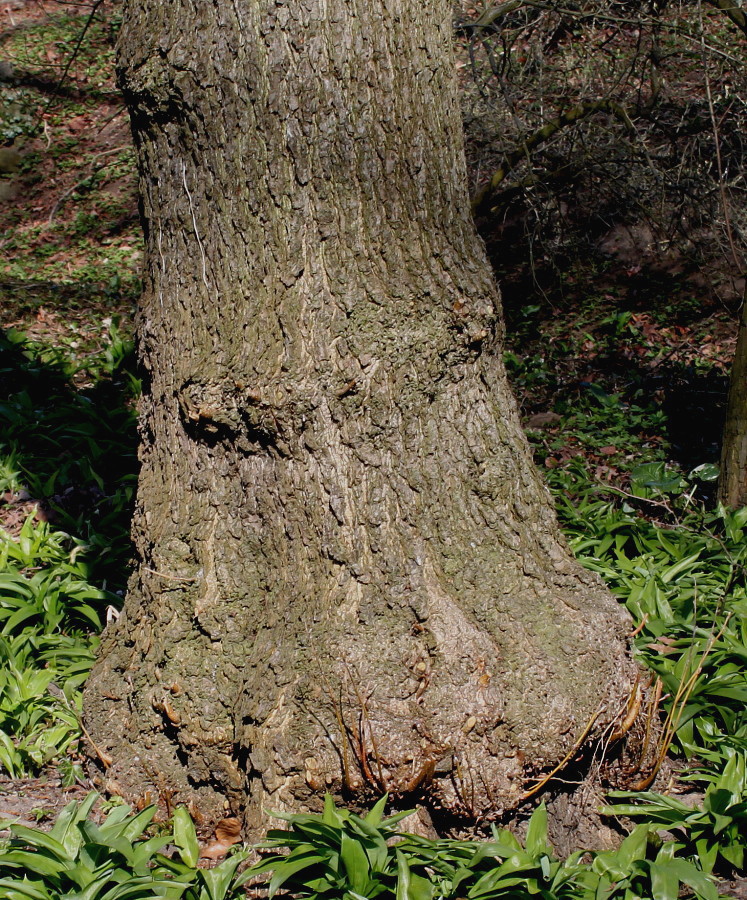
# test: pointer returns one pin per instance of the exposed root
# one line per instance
(567, 758)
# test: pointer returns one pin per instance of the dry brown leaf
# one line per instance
(662, 646)
(228, 830)
(227, 833)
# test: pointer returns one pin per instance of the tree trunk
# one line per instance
(349, 576)
(732, 487)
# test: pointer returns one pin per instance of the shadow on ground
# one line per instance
(67, 454)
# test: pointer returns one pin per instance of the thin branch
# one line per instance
(738, 263)
(71, 190)
(490, 17)
(568, 117)
(74, 55)
(567, 758)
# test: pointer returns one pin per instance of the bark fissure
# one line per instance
(349, 573)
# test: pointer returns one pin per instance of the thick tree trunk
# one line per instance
(349, 575)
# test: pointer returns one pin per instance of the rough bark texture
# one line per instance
(349, 574)
(733, 479)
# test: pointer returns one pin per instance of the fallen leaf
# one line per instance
(227, 833)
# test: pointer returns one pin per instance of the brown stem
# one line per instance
(570, 116)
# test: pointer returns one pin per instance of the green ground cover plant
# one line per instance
(70, 453)
(68, 211)
(709, 831)
(340, 855)
(685, 586)
(678, 566)
(116, 859)
(642, 520)
(336, 855)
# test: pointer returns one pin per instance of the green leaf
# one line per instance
(506, 837)
(64, 829)
(111, 839)
(145, 888)
(376, 812)
(679, 567)
(145, 851)
(38, 863)
(392, 820)
(536, 840)
(376, 846)
(616, 864)
(403, 877)
(664, 882)
(23, 889)
(129, 826)
(286, 870)
(707, 853)
(688, 874)
(34, 837)
(733, 777)
(356, 863)
(734, 853)
(218, 880)
(330, 816)
(410, 885)
(654, 475)
(504, 876)
(705, 472)
(185, 836)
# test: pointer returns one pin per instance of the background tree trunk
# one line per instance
(349, 575)
(732, 487)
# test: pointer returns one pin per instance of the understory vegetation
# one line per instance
(652, 532)
(619, 358)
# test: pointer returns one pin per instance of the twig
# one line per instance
(568, 757)
(94, 9)
(650, 713)
(61, 199)
(633, 707)
(636, 631)
(567, 117)
(367, 727)
(676, 710)
(726, 6)
(57, 692)
(733, 11)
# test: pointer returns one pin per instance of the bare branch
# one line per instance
(568, 117)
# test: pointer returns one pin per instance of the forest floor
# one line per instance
(619, 356)
(615, 313)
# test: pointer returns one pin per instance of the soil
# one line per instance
(35, 801)
(70, 242)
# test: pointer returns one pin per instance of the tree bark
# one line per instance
(349, 575)
(732, 487)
